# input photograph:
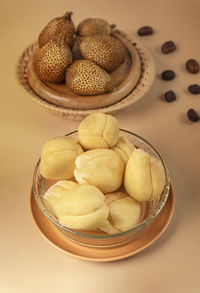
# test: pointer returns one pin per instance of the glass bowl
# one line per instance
(97, 238)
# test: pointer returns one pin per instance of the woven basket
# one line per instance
(143, 85)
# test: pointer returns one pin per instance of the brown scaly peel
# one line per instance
(63, 24)
(86, 78)
(104, 50)
(51, 61)
(94, 26)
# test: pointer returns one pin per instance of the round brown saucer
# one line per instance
(150, 234)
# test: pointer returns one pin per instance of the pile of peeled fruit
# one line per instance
(102, 178)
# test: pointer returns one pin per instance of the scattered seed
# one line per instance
(168, 75)
(145, 31)
(168, 47)
(170, 96)
(192, 66)
(194, 89)
(192, 115)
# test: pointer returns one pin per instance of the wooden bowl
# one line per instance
(125, 79)
(138, 91)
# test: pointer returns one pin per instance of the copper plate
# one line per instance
(150, 234)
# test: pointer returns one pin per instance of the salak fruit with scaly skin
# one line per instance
(51, 61)
(63, 24)
(106, 51)
(86, 78)
(94, 26)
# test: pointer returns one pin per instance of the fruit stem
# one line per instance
(113, 26)
(68, 15)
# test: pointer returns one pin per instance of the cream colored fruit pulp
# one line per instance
(146, 209)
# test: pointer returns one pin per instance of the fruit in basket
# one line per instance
(51, 60)
(106, 51)
(63, 24)
(84, 77)
(98, 131)
(94, 26)
(102, 57)
(58, 157)
(77, 206)
(102, 168)
(144, 177)
(124, 213)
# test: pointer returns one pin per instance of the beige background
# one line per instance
(27, 262)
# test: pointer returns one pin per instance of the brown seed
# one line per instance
(192, 66)
(192, 115)
(194, 89)
(145, 31)
(170, 96)
(168, 75)
(168, 47)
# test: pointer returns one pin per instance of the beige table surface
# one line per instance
(172, 264)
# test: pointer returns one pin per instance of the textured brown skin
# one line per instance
(76, 51)
(93, 26)
(106, 51)
(86, 78)
(56, 26)
(51, 61)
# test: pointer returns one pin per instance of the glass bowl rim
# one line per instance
(109, 236)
